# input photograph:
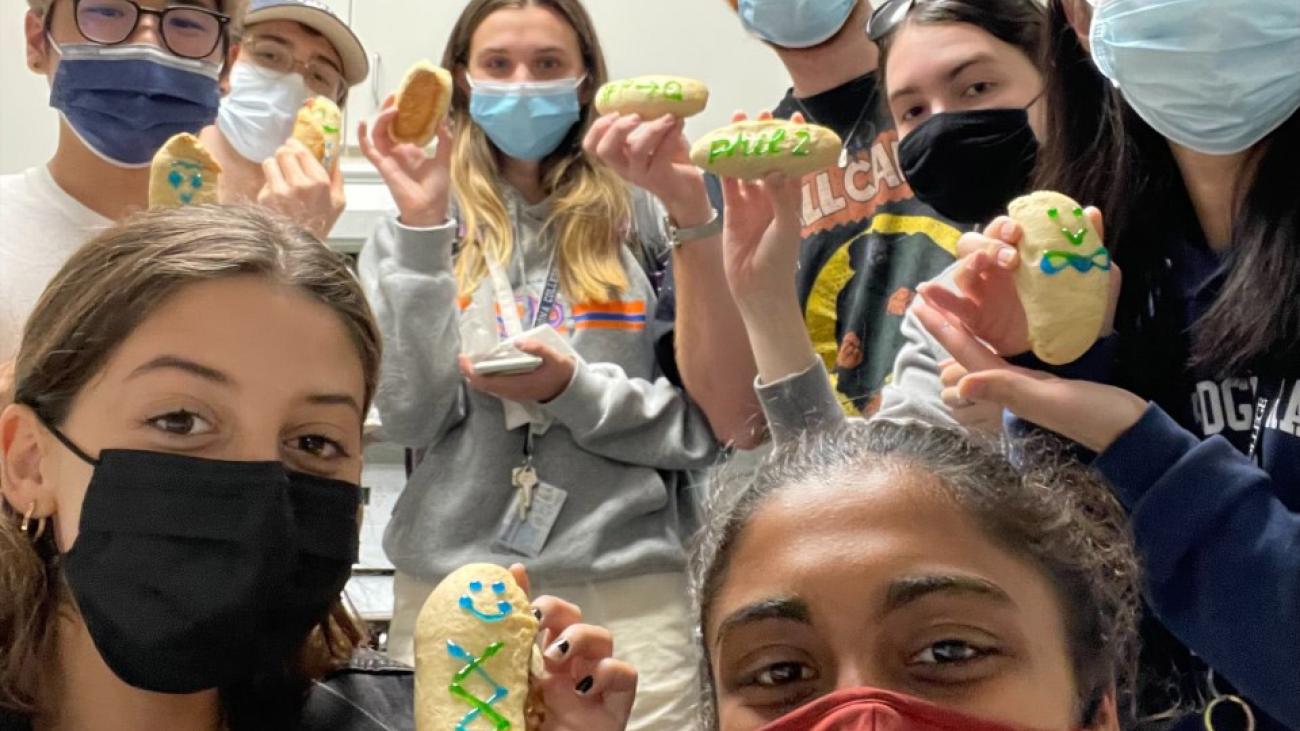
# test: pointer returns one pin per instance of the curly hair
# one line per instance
(1036, 504)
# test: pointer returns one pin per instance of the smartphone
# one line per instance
(508, 365)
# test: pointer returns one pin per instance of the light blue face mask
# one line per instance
(795, 23)
(526, 120)
(1216, 76)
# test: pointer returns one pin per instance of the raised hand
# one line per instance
(582, 686)
(300, 188)
(654, 155)
(420, 183)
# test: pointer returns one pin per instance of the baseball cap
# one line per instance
(317, 16)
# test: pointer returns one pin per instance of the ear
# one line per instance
(459, 76)
(1079, 16)
(38, 45)
(23, 444)
(224, 83)
(1107, 715)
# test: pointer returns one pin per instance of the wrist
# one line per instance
(690, 207)
(423, 218)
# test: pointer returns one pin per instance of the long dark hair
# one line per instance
(1017, 22)
(1099, 151)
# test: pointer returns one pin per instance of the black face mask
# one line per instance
(969, 165)
(192, 573)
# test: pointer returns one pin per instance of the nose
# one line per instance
(147, 29)
(522, 74)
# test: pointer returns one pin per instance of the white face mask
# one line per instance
(257, 115)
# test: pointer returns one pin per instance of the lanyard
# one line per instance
(1264, 395)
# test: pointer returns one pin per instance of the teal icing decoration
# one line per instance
(1054, 262)
(474, 666)
(476, 587)
(175, 179)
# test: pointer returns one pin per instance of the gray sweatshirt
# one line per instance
(621, 432)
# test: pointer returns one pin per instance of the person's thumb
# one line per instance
(1024, 395)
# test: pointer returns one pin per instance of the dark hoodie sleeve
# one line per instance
(1221, 554)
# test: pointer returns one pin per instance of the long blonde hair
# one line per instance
(590, 205)
(104, 292)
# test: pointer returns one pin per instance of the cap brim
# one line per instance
(356, 66)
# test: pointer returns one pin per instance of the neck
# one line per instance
(106, 189)
(1207, 177)
(524, 176)
(847, 56)
(89, 697)
(241, 178)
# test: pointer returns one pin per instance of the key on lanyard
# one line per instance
(525, 478)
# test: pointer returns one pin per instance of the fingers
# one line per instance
(957, 340)
(612, 148)
(739, 116)
(275, 182)
(646, 141)
(613, 680)
(597, 133)
(951, 372)
(557, 616)
(1095, 218)
(363, 141)
(577, 649)
(945, 299)
(520, 575)
(381, 140)
(539, 349)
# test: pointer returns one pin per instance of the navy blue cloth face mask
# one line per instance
(124, 102)
(194, 573)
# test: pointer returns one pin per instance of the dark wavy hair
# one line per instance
(1017, 22)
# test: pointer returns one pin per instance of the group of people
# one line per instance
(946, 532)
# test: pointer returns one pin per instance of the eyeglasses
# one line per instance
(887, 17)
(187, 31)
(274, 55)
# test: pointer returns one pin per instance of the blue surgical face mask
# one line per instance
(258, 114)
(124, 102)
(1215, 76)
(527, 120)
(795, 23)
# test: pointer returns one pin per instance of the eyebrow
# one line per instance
(953, 73)
(910, 589)
(536, 52)
(789, 609)
(174, 362)
(335, 399)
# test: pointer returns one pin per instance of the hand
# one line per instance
(975, 416)
(542, 385)
(1090, 414)
(7, 384)
(653, 155)
(761, 235)
(583, 687)
(299, 187)
(419, 183)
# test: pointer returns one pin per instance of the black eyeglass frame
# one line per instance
(887, 17)
(223, 27)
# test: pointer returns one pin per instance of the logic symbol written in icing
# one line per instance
(478, 706)
(1077, 236)
(185, 172)
(503, 607)
(1058, 261)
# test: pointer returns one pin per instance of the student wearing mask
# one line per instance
(180, 503)
(511, 225)
(867, 241)
(1012, 606)
(125, 76)
(291, 51)
(1186, 133)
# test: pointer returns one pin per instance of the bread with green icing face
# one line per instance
(474, 645)
(319, 126)
(1064, 275)
(653, 96)
(183, 173)
(755, 148)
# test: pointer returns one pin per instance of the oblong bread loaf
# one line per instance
(473, 648)
(183, 173)
(319, 126)
(653, 96)
(1064, 276)
(755, 148)
(422, 102)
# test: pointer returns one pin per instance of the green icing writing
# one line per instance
(1074, 236)
(760, 146)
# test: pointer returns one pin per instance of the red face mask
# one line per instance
(867, 709)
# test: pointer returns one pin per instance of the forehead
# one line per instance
(304, 40)
(928, 52)
(843, 544)
(525, 29)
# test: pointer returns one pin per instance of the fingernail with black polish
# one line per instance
(558, 650)
(584, 685)
(537, 613)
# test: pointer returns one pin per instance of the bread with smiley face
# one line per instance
(183, 173)
(1064, 275)
(474, 641)
(319, 127)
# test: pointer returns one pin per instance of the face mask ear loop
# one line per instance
(66, 442)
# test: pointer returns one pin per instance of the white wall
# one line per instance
(639, 37)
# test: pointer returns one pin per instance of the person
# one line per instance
(1011, 605)
(125, 76)
(867, 241)
(291, 51)
(181, 507)
(511, 223)
(1192, 404)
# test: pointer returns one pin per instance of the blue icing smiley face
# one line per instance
(500, 607)
(186, 178)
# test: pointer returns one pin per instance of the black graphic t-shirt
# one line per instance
(867, 243)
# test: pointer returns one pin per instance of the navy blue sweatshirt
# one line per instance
(1211, 477)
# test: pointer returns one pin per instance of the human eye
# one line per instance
(977, 89)
(181, 423)
(782, 674)
(318, 447)
(951, 658)
(109, 12)
(912, 113)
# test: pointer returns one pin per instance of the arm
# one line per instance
(1221, 567)
(407, 276)
(713, 357)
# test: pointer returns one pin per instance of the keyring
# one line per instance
(1245, 707)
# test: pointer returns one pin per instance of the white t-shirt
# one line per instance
(40, 227)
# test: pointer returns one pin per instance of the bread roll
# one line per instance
(473, 647)
(755, 148)
(422, 102)
(653, 96)
(183, 173)
(319, 126)
(1064, 276)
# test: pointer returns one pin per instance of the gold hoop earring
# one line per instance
(26, 526)
(1243, 705)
